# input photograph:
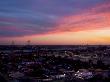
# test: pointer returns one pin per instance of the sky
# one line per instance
(55, 22)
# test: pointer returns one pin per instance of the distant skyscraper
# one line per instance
(12, 43)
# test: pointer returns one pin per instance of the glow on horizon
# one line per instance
(55, 22)
(99, 37)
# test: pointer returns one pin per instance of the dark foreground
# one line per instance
(54, 63)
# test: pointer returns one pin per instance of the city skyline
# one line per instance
(54, 22)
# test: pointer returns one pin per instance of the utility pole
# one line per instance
(28, 42)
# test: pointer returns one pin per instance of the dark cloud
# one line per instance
(27, 17)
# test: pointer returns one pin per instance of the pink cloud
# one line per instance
(88, 20)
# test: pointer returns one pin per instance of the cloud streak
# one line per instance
(94, 18)
(25, 17)
(55, 21)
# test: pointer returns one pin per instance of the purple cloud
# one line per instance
(28, 17)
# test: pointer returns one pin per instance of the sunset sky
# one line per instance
(55, 22)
